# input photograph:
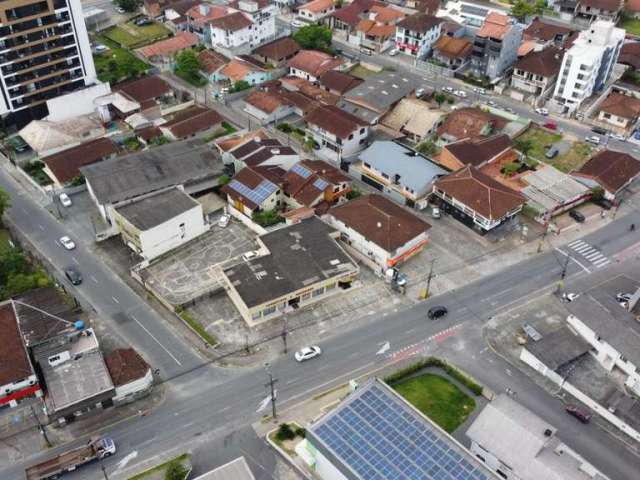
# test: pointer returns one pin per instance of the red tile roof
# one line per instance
(380, 221)
(339, 81)
(305, 190)
(65, 165)
(193, 120)
(14, 362)
(480, 193)
(232, 22)
(170, 46)
(547, 32)
(620, 105)
(420, 22)
(125, 365)
(604, 5)
(546, 62)
(468, 123)
(313, 62)
(479, 152)
(211, 61)
(250, 179)
(496, 25)
(334, 120)
(630, 54)
(212, 12)
(143, 89)
(452, 47)
(267, 102)
(317, 6)
(612, 170)
(351, 13)
(279, 49)
(632, 6)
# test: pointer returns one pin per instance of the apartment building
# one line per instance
(415, 35)
(495, 47)
(44, 53)
(587, 65)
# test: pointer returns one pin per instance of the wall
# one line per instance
(134, 390)
(358, 242)
(325, 469)
(76, 103)
(82, 39)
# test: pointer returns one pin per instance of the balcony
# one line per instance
(38, 62)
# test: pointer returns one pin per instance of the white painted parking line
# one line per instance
(75, 260)
(41, 227)
(156, 340)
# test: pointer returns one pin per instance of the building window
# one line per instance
(501, 473)
(306, 297)
(607, 115)
(256, 315)
(384, 175)
(268, 311)
(318, 291)
(351, 137)
(362, 131)
(331, 286)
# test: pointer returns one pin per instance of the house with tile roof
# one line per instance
(545, 33)
(344, 20)
(416, 34)
(316, 10)
(453, 52)
(380, 231)
(338, 82)
(267, 105)
(64, 166)
(312, 64)
(251, 191)
(199, 15)
(314, 184)
(478, 200)
(612, 171)
(164, 51)
(131, 375)
(195, 120)
(468, 123)
(589, 11)
(278, 52)
(211, 62)
(338, 133)
(377, 31)
(534, 75)
(239, 69)
(619, 111)
(477, 152)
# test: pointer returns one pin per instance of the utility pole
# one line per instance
(544, 232)
(615, 210)
(563, 274)
(270, 384)
(104, 470)
(43, 431)
(427, 291)
(284, 333)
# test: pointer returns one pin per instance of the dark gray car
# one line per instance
(73, 275)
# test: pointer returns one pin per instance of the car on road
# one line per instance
(437, 312)
(617, 136)
(551, 125)
(460, 93)
(569, 297)
(594, 139)
(577, 216)
(479, 90)
(65, 200)
(224, 220)
(393, 52)
(542, 111)
(120, 10)
(73, 275)
(67, 243)
(307, 353)
(420, 92)
(600, 130)
(251, 254)
(447, 89)
(491, 103)
(577, 412)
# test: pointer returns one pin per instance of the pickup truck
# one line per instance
(96, 448)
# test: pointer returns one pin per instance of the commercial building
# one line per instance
(612, 171)
(399, 172)
(338, 133)
(45, 53)
(495, 47)
(587, 66)
(516, 444)
(380, 231)
(416, 34)
(375, 434)
(297, 266)
(157, 223)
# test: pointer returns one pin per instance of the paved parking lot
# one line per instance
(190, 271)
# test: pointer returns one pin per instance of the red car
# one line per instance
(551, 125)
(580, 414)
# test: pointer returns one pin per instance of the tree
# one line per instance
(240, 85)
(176, 471)
(597, 193)
(187, 63)
(524, 145)
(539, 6)
(521, 9)
(128, 5)
(440, 98)
(427, 148)
(5, 202)
(12, 263)
(314, 37)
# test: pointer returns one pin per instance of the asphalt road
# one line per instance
(207, 405)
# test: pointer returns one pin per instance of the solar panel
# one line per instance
(320, 184)
(300, 170)
(379, 438)
(258, 194)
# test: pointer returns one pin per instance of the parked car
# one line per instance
(479, 90)
(447, 89)
(67, 243)
(435, 212)
(599, 130)
(420, 92)
(552, 152)
(120, 10)
(73, 275)
(437, 312)
(100, 48)
(617, 136)
(307, 353)
(491, 103)
(577, 216)
(393, 52)
(542, 111)
(249, 255)
(298, 24)
(623, 297)
(224, 220)
(569, 297)
(65, 200)
(509, 109)
(551, 125)
(580, 414)
(141, 22)
(603, 203)
(460, 93)
(592, 139)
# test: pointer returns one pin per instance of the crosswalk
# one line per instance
(589, 253)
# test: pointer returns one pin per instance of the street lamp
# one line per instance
(271, 384)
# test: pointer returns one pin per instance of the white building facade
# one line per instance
(587, 66)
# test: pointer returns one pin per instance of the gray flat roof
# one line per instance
(382, 90)
(156, 209)
(374, 434)
(416, 171)
(76, 380)
(362, 113)
(559, 348)
(300, 256)
(237, 469)
(176, 163)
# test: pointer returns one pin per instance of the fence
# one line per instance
(434, 70)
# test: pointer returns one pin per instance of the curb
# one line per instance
(285, 455)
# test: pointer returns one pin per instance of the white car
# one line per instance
(419, 92)
(101, 48)
(393, 52)
(224, 220)
(120, 10)
(491, 103)
(623, 297)
(307, 353)
(460, 93)
(65, 200)
(592, 139)
(542, 111)
(617, 136)
(298, 24)
(569, 297)
(67, 243)
(447, 89)
(479, 90)
(249, 255)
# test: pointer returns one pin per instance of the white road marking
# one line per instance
(156, 340)
(115, 300)
(385, 346)
(575, 242)
(41, 227)
(263, 404)
(75, 260)
(123, 463)
(95, 280)
(594, 255)
(582, 248)
(602, 263)
(576, 261)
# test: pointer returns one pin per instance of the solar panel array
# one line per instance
(380, 439)
(300, 170)
(258, 194)
(320, 184)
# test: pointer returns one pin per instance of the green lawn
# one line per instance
(4, 241)
(631, 25)
(129, 35)
(158, 470)
(542, 139)
(117, 64)
(361, 72)
(199, 328)
(194, 79)
(438, 399)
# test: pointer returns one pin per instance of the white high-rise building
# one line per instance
(587, 65)
(44, 53)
